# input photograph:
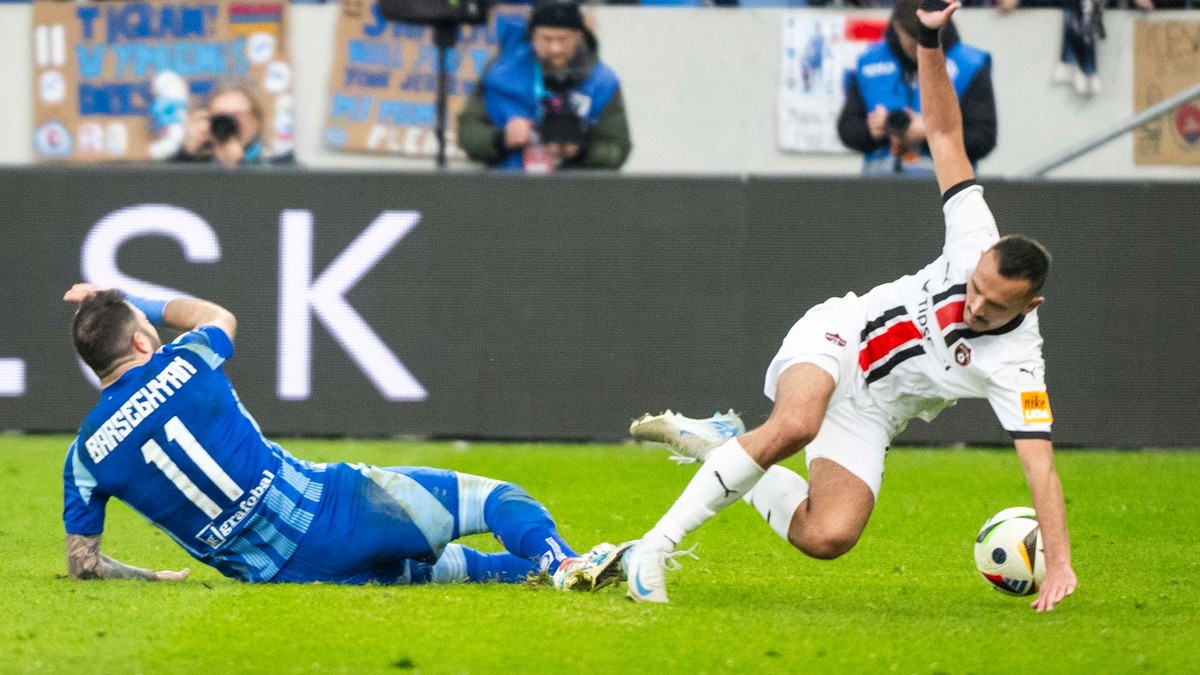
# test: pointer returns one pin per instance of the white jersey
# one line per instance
(917, 356)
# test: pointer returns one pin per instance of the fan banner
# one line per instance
(383, 83)
(818, 51)
(1166, 62)
(114, 81)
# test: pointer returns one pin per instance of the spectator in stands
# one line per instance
(1083, 27)
(546, 101)
(882, 114)
(228, 130)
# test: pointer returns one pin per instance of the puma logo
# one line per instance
(723, 486)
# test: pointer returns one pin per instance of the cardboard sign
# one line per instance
(102, 73)
(817, 51)
(383, 83)
(1166, 62)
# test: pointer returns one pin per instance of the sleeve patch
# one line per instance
(1035, 407)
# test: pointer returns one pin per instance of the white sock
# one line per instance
(777, 496)
(727, 474)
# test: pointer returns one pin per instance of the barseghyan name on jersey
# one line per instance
(139, 406)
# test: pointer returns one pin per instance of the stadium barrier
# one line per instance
(510, 307)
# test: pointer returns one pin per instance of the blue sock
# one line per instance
(460, 564)
(525, 528)
(504, 568)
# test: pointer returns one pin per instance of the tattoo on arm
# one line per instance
(84, 561)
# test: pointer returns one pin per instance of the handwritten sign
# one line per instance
(817, 51)
(1166, 62)
(383, 84)
(95, 69)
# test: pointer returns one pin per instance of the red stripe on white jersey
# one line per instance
(881, 346)
(951, 313)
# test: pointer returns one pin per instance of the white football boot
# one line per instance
(691, 439)
(646, 566)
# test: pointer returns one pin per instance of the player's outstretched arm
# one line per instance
(190, 313)
(182, 314)
(939, 103)
(84, 561)
(1037, 459)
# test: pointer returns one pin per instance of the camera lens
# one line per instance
(897, 122)
(223, 127)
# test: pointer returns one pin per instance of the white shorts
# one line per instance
(855, 433)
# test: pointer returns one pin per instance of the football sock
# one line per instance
(777, 496)
(473, 493)
(462, 564)
(727, 474)
(525, 528)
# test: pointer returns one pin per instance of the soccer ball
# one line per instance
(1008, 551)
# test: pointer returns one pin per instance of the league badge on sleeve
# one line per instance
(1035, 407)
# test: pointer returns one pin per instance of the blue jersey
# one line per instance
(171, 439)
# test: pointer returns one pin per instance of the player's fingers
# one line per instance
(167, 575)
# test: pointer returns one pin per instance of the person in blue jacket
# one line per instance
(882, 114)
(546, 89)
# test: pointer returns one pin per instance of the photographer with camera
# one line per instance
(228, 130)
(546, 101)
(882, 114)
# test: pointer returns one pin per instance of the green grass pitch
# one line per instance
(906, 600)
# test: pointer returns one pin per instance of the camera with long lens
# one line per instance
(560, 124)
(223, 127)
(897, 123)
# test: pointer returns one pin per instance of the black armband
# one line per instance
(928, 37)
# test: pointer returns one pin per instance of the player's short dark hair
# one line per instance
(102, 328)
(1020, 257)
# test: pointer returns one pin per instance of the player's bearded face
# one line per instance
(993, 300)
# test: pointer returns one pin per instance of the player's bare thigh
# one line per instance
(830, 522)
(801, 399)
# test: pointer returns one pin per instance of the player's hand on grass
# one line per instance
(934, 20)
(80, 292)
(1060, 582)
(167, 575)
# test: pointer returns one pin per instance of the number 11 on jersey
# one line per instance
(180, 435)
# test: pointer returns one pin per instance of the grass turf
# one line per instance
(905, 600)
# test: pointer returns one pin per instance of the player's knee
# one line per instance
(795, 430)
(828, 544)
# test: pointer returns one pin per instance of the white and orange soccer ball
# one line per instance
(1008, 551)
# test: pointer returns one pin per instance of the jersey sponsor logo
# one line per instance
(879, 69)
(138, 407)
(1035, 407)
(215, 535)
(962, 354)
(835, 339)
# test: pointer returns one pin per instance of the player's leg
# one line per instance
(460, 564)
(731, 471)
(518, 521)
(829, 523)
(477, 505)
(825, 516)
(802, 379)
(376, 522)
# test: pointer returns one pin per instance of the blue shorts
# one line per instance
(372, 521)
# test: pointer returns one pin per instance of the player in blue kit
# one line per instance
(170, 438)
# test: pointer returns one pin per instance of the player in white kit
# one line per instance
(854, 370)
